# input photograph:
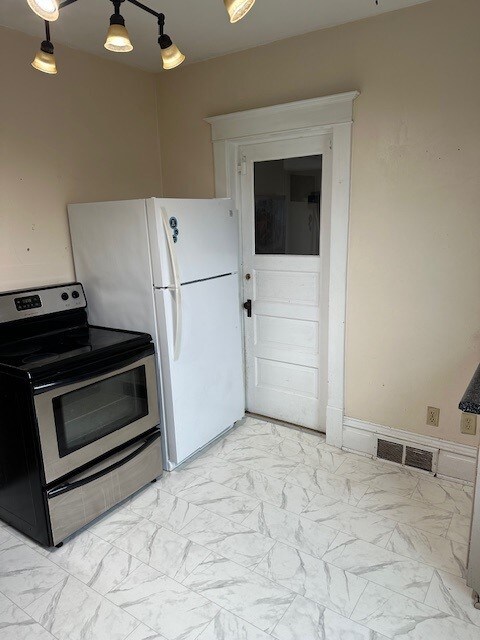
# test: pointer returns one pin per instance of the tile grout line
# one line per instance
(134, 571)
(243, 619)
(136, 629)
(234, 462)
(276, 584)
(27, 614)
(422, 603)
(397, 553)
(205, 508)
(369, 579)
(285, 613)
(284, 480)
(93, 589)
(390, 537)
(296, 461)
(367, 582)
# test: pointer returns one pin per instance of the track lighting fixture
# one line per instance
(44, 59)
(46, 9)
(238, 9)
(118, 39)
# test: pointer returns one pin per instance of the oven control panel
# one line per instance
(28, 302)
(16, 305)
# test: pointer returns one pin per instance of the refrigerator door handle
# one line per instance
(176, 288)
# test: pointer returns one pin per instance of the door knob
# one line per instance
(248, 306)
(247, 276)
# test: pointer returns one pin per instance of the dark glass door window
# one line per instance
(94, 411)
(287, 206)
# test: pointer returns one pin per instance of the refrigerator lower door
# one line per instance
(203, 388)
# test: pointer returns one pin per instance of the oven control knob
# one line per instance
(64, 295)
(75, 294)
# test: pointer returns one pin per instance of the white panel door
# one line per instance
(285, 197)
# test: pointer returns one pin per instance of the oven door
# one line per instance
(81, 421)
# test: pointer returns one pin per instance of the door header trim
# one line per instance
(315, 112)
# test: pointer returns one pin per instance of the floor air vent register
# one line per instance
(392, 451)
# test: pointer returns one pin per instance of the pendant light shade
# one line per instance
(45, 60)
(238, 9)
(118, 39)
(46, 9)
(171, 55)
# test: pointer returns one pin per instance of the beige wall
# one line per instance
(89, 133)
(413, 326)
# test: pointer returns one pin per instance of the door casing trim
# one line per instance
(326, 115)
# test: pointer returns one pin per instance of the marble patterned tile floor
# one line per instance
(268, 533)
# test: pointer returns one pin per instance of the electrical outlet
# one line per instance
(433, 416)
(468, 424)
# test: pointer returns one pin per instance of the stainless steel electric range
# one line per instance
(79, 418)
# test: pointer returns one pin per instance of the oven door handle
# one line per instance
(70, 486)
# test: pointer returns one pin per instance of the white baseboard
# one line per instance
(455, 461)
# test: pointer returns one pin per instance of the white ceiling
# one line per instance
(200, 28)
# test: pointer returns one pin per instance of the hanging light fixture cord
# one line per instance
(47, 46)
(47, 30)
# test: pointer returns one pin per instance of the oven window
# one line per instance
(92, 412)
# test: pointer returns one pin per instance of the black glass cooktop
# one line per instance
(86, 341)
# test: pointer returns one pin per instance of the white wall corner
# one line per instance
(455, 461)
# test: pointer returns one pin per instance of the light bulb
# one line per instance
(46, 9)
(238, 9)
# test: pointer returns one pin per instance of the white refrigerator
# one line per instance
(170, 267)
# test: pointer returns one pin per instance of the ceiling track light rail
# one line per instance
(118, 39)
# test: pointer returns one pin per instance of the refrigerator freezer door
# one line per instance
(204, 235)
(112, 260)
(203, 389)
